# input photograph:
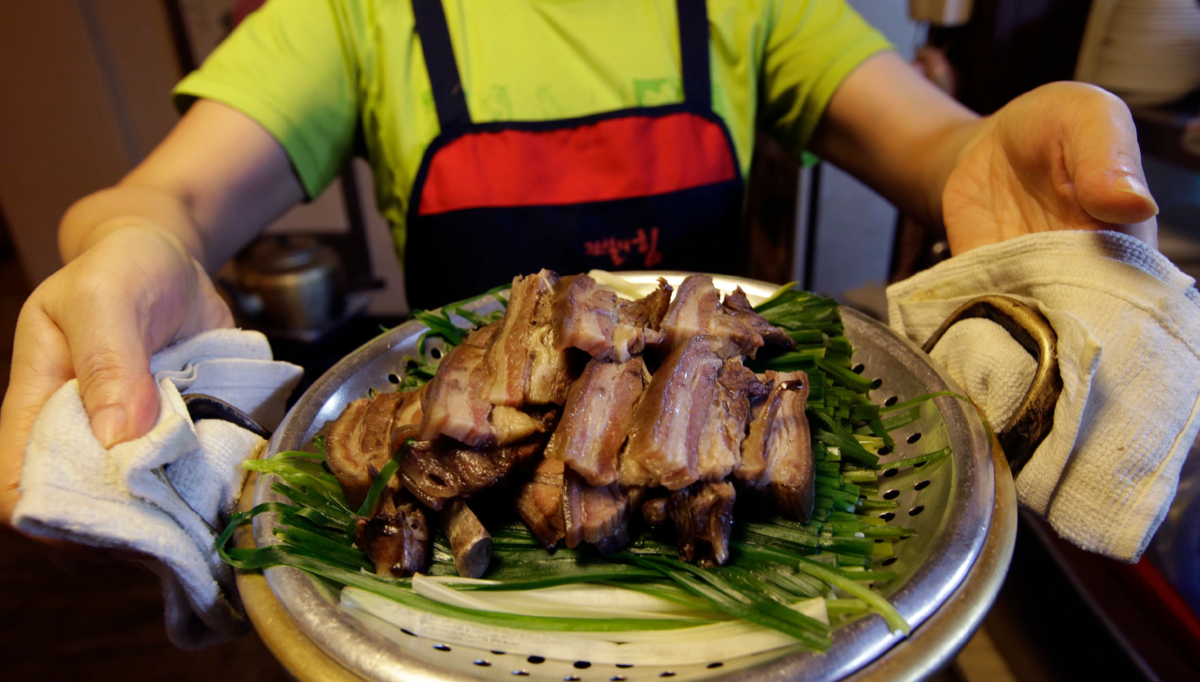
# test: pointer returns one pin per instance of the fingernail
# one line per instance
(1131, 185)
(109, 425)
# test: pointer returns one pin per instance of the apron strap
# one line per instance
(448, 95)
(693, 49)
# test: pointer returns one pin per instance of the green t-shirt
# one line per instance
(313, 72)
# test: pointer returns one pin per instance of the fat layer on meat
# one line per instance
(703, 518)
(540, 502)
(725, 426)
(362, 439)
(596, 418)
(470, 542)
(666, 429)
(598, 515)
(396, 539)
(697, 309)
(777, 454)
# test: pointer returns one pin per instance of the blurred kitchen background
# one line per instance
(84, 96)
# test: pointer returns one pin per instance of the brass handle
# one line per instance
(1032, 421)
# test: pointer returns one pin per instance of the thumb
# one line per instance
(113, 369)
(1102, 157)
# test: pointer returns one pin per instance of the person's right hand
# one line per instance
(98, 320)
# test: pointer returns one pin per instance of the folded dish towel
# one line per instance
(1128, 325)
(163, 495)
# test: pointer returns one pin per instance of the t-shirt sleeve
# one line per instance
(811, 48)
(291, 67)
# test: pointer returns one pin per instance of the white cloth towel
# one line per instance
(162, 495)
(1128, 325)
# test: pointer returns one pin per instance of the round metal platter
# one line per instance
(949, 505)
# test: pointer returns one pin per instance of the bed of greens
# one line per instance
(788, 584)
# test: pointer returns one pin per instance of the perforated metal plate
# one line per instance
(948, 504)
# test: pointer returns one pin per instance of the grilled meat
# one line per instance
(540, 502)
(777, 454)
(438, 471)
(666, 429)
(703, 518)
(595, 321)
(725, 426)
(598, 515)
(697, 309)
(522, 365)
(363, 438)
(596, 418)
(396, 539)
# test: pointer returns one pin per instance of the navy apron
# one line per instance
(641, 188)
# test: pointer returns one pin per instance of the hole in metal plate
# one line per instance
(887, 516)
(916, 510)
(922, 485)
(891, 494)
(583, 665)
(914, 438)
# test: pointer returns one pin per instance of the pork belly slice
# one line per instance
(736, 309)
(703, 518)
(596, 418)
(598, 515)
(667, 425)
(697, 309)
(362, 439)
(522, 365)
(595, 321)
(691, 313)
(540, 502)
(725, 426)
(436, 472)
(454, 402)
(455, 407)
(777, 454)
(396, 539)
(470, 542)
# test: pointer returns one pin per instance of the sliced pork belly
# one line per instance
(522, 365)
(396, 539)
(598, 515)
(736, 307)
(596, 418)
(549, 366)
(691, 313)
(777, 454)
(362, 439)
(725, 426)
(667, 425)
(703, 518)
(436, 472)
(697, 309)
(595, 321)
(454, 402)
(455, 407)
(470, 542)
(540, 502)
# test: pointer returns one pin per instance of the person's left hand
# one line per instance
(1062, 157)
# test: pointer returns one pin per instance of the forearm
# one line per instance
(896, 132)
(97, 215)
(213, 184)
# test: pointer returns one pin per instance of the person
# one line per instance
(509, 136)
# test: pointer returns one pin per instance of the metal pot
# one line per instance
(289, 283)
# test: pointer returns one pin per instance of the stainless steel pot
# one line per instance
(289, 283)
